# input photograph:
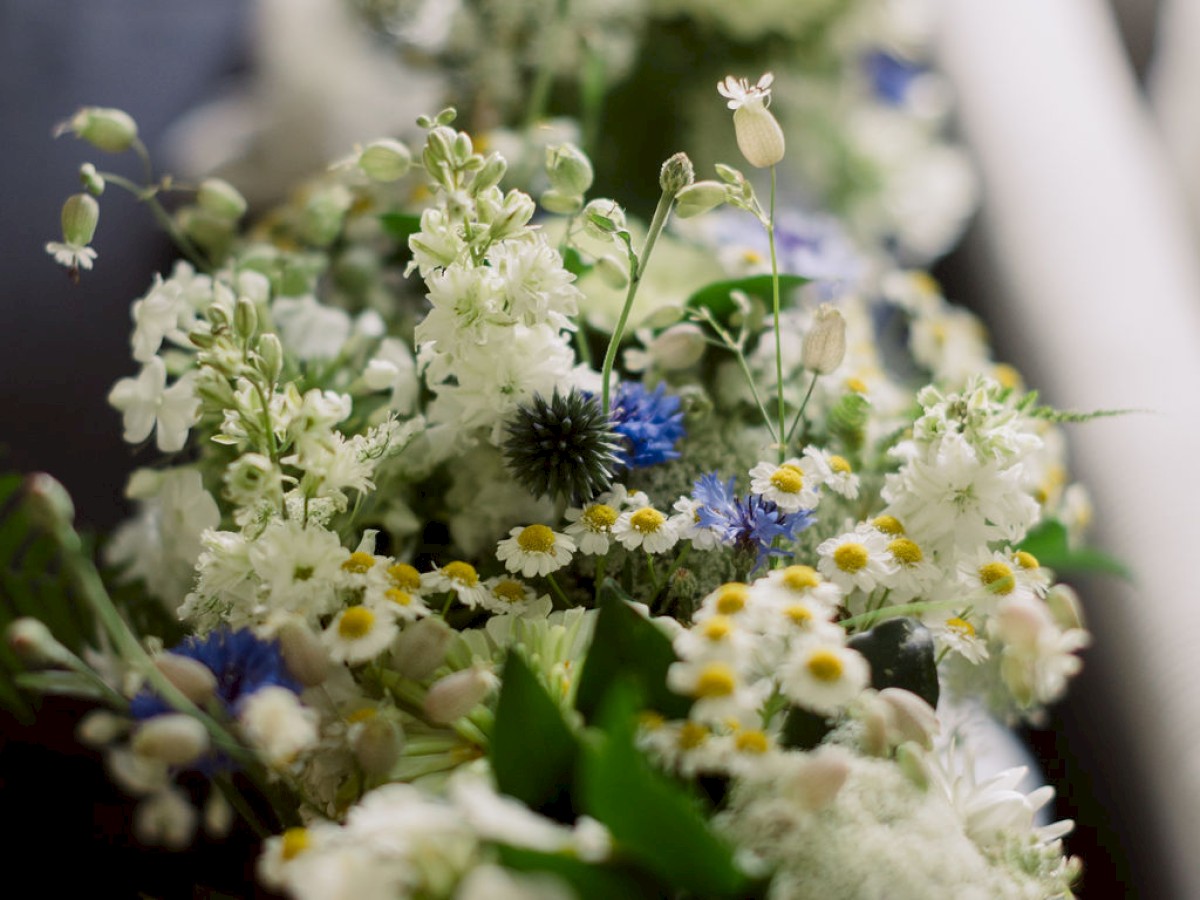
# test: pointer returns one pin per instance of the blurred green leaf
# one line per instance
(590, 881)
(717, 296)
(1048, 542)
(400, 226)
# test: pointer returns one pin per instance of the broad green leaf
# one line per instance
(533, 751)
(590, 881)
(717, 296)
(653, 820)
(1048, 542)
(400, 226)
(627, 645)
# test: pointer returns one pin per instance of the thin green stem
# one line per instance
(558, 591)
(235, 799)
(149, 195)
(637, 265)
(653, 575)
(601, 564)
(893, 612)
(778, 333)
(800, 412)
(737, 351)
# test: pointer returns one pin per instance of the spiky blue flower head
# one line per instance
(650, 424)
(242, 663)
(752, 524)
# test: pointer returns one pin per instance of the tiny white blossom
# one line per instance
(146, 402)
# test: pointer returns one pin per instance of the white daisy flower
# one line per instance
(957, 635)
(358, 633)
(591, 527)
(823, 675)
(460, 578)
(511, 595)
(535, 550)
(785, 484)
(646, 528)
(992, 576)
(686, 523)
(798, 583)
(913, 573)
(831, 471)
(858, 559)
(720, 691)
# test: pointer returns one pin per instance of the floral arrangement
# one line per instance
(506, 545)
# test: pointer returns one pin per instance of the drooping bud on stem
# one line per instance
(824, 346)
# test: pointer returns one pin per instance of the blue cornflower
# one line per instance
(242, 663)
(750, 524)
(891, 76)
(649, 424)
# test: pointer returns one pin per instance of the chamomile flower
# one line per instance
(721, 692)
(535, 550)
(460, 578)
(991, 576)
(591, 527)
(822, 675)
(687, 523)
(913, 573)
(784, 484)
(831, 471)
(646, 528)
(358, 634)
(857, 559)
(513, 596)
(958, 635)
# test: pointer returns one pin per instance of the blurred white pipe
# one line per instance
(1102, 286)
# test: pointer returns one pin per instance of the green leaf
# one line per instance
(627, 645)
(574, 263)
(591, 881)
(400, 226)
(717, 296)
(1048, 542)
(533, 750)
(1050, 414)
(653, 821)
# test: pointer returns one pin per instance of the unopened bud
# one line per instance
(452, 697)
(80, 215)
(602, 218)
(245, 318)
(490, 173)
(514, 215)
(679, 347)
(564, 204)
(110, 130)
(816, 784)
(49, 503)
(759, 136)
(305, 657)
(569, 169)
(173, 738)
(100, 727)
(377, 745)
(270, 353)
(31, 640)
(699, 198)
(195, 680)
(421, 648)
(222, 199)
(1064, 606)
(676, 174)
(218, 815)
(93, 182)
(824, 346)
(912, 718)
(385, 160)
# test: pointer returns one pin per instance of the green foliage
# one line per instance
(718, 296)
(847, 421)
(1048, 542)
(400, 226)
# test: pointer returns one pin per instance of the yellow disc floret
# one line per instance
(359, 563)
(462, 572)
(1026, 560)
(787, 480)
(599, 517)
(731, 598)
(361, 715)
(857, 385)
(404, 576)
(717, 628)
(692, 735)
(840, 465)
(294, 842)
(398, 596)
(850, 557)
(355, 623)
(536, 539)
(647, 520)
(798, 613)
(751, 742)
(509, 590)
(825, 665)
(961, 625)
(715, 680)
(997, 577)
(800, 578)
(888, 525)
(905, 552)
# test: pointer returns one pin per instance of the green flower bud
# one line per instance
(452, 697)
(80, 215)
(556, 201)
(614, 272)
(699, 198)
(49, 503)
(824, 345)
(92, 182)
(245, 318)
(569, 169)
(677, 173)
(221, 198)
(385, 160)
(603, 218)
(204, 228)
(270, 354)
(421, 648)
(759, 136)
(515, 214)
(490, 173)
(110, 130)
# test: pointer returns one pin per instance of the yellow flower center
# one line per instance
(361, 715)
(850, 557)
(798, 613)
(1026, 560)
(788, 480)
(751, 257)
(359, 563)
(295, 841)
(751, 742)
(840, 465)
(825, 665)
(717, 628)
(599, 517)
(536, 539)
(905, 552)
(925, 283)
(888, 525)
(509, 590)
(463, 573)
(715, 680)
(800, 578)
(647, 520)
(997, 577)
(405, 577)
(1006, 375)
(398, 596)
(692, 735)
(961, 625)
(355, 623)
(857, 385)
(731, 598)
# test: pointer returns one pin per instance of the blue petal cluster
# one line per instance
(650, 424)
(891, 76)
(242, 663)
(753, 523)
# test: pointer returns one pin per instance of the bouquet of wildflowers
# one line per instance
(505, 545)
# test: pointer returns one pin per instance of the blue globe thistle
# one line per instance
(242, 663)
(752, 524)
(650, 424)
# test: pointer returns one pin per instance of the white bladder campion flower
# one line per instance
(759, 136)
(146, 401)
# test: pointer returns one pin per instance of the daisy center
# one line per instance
(787, 480)
(850, 557)
(599, 517)
(1026, 560)
(359, 563)
(647, 520)
(732, 598)
(839, 465)
(997, 577)
(462, 572)
(302, 573)
(961, 625)
(295, 841)
(825, 665)
(717, 628)
(798, 613)
(355, 623)
(510, 591)
(857, 385)
(800, 578)
(888, 525)
(751, 742)
(906, 552)
(692, 735)
(715, 680)
(398, 596)
(536, 539)
(405, 577)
